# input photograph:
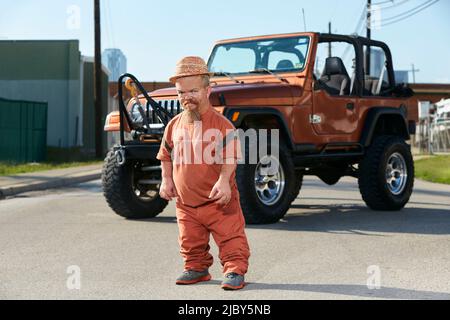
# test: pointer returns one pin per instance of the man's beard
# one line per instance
(189, 116)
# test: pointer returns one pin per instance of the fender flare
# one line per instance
(245, 112)
(373, 116)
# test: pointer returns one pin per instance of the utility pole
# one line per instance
(413, 70)
(368, 26)
(329, 43)
(97, 82)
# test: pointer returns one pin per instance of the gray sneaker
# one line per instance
(233, 281)
(191, 277)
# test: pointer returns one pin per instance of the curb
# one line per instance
(56, 183)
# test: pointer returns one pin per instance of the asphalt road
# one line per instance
(329, 246)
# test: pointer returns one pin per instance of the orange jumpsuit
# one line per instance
(197, 215)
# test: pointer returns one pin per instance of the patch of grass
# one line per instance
(56, 158)
(11, 168)
(434, 169)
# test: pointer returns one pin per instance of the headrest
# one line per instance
(334, 65)
(285, 64)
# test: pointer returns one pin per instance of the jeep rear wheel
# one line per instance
(386, 174)
(131, 190)
(266, 195)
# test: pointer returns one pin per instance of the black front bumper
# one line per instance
(139, 151)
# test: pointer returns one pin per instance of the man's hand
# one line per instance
(221, 192)
(167, 190)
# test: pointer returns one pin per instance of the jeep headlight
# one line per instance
(136, 116)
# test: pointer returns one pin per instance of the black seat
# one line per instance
(285, 64)
(335, 77)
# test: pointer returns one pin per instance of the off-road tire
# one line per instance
(118, 191)
(372, 174)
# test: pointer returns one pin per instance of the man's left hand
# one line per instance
(221, 192)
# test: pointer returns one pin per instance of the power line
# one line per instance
(362, 18)
(395, 5)
(419, 7)
(358, 30)
(108, 23)
(411, 13)
(383, 2)
(103, 9)
(410, 10)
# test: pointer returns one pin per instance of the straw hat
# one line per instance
(190, 66)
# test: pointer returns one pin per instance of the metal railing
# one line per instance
(432, 136)
(440, 136)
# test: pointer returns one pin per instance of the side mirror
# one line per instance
(401, 90)
(408, 92)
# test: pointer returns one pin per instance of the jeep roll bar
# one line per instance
(163, 115)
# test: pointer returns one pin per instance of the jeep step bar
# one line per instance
(335, 150)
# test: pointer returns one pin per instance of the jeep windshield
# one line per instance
(274, 55)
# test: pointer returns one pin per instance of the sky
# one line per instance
(155, 34)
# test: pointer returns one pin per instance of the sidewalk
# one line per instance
(41, 180)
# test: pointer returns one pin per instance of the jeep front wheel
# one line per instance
(132, 190)
(386, 174)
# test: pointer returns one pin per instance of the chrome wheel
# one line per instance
(396, 173)
(269, 180)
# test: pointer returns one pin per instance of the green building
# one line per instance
(54, 72)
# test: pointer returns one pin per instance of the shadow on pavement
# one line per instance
(432, 192)
(352, 290)
(355, 200)
(357, 219)
(353, 219)
(360, 219)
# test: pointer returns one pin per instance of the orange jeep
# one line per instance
(333, 99)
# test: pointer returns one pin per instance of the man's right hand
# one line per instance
(167, 190)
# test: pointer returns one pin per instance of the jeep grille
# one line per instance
(172, 106)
